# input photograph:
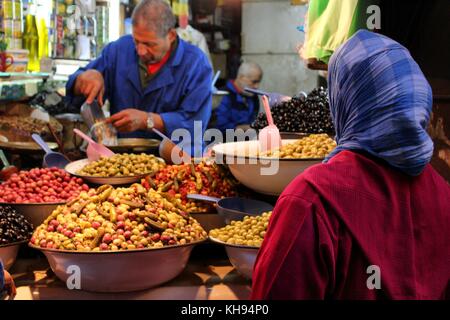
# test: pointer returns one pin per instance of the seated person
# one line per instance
(239, 108)
(372, 221)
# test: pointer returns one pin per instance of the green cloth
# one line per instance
(330, 23)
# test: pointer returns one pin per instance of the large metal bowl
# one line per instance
(119, 271)
(75, 166)
(243, 258)
(25, 146)
(135, 145)
(8, 253)
(264, 175)
(35, 213)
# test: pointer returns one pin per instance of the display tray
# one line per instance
(25, 146)
(75, 166)
(135, 145)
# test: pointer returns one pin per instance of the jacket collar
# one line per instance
(165, 76)
(232, 86)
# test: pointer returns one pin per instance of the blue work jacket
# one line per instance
(235, 109)
(180, 92)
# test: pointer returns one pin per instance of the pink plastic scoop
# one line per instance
(94, 150)
(269, 137)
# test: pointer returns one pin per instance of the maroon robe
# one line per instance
(336, 220)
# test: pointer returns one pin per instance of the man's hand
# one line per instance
(129, 120)
(90, 84)
(10, 285)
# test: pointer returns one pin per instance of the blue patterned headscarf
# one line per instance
(380, 102)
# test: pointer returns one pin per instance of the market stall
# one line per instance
(98, 198)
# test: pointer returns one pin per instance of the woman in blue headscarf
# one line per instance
(373, 220)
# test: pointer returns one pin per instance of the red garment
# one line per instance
(337, 219)
(155, 67)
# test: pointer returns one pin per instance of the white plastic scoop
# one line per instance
(94, 150)
(269, 137)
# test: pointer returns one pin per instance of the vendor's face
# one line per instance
(150, 47)
(251, 80)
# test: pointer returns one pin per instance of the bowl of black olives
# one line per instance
(15, 230)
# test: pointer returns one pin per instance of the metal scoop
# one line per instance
(94, 150)
(8, 169)
(170, 152)
(274, 98)
(51, 158)
(234, 208)
(100, 131)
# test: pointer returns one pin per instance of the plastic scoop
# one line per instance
(94, 150)
(8, 169)
(170, 152)
(51, 158)
(269, 137)
(274, 98)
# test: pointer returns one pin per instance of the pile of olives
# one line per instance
(13, 226)
(310, 115)
(249, 232)
(121, 165)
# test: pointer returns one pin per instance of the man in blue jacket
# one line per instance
(152, 79)
(239, 109)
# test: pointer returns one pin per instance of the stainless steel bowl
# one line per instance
(262, 174)
(73, 167)
(35, 213)
(119, 271)
(136, 145)
(8, 253)
(209, 221)
(241, 257)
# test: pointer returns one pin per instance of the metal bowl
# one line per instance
(243, 258)
(208, 220)
(35, 213)
(8, 253)
(262, 174)
(136, 145)
(73, 167)
(119, 271)
(25, 146)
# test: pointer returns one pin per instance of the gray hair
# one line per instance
(248, 67)
(155, 15)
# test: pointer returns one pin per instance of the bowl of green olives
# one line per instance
(116, 170)
(242, 240)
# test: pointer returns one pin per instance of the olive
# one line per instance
(248, 232)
